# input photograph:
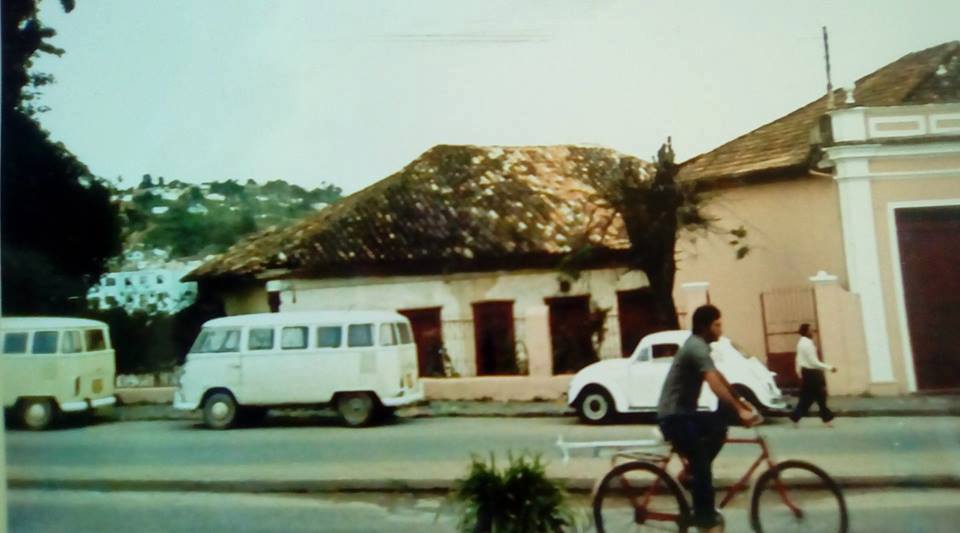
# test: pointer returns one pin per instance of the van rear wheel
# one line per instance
(36, 413)
(220, 411)
(356, 408)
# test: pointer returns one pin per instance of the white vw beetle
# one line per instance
(632, 385)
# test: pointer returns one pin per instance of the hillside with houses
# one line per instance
(171, 218)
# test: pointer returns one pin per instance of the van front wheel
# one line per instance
(356, 408)
(37, 413)
(220, 411)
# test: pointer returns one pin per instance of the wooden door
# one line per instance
(783, 311)
(637, 316)
(428, 334)
(929, 240)
(570, 333)
(494, 338)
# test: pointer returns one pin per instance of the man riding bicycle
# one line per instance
(699, 436)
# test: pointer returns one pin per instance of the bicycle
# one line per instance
(640, 495)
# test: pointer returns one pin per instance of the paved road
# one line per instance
(439, 448)
(38, 511)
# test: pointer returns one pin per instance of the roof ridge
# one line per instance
(949, 48)
(780, 143)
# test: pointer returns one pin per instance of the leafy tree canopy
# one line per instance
(57, 225)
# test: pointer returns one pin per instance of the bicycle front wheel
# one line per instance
(796, 496)
(639, 496)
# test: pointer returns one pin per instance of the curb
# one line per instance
(412, 486)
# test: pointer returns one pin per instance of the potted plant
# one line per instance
(517, 499)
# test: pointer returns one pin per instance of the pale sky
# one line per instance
(349, 91)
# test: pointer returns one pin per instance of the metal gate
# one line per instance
(784, 310)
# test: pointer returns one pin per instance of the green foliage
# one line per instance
(57, 225)
(142, 342)
(158, 342)
(188, 234)
(229, 188)
(518, 499)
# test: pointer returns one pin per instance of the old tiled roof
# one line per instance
(453, 208)
(784, 145)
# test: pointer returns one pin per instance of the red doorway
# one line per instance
(494, 338)
(929, 255)
(570, 333)
(428, 334)
(638, 318)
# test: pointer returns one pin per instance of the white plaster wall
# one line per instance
(456, 293)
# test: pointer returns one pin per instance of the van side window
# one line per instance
(15, 343)
(387, 335)
(95, 340)
(294, 338)
(329, 336)
(404, 330)
(260, 339)
(359, 335)
(45, 342)
(217, 340)
(71, 342)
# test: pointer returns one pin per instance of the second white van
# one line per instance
(362, 363)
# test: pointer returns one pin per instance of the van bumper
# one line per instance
(84, 405)
(408, 397)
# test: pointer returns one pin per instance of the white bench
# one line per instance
(631, 449)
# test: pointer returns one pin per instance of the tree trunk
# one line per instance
(661, 273)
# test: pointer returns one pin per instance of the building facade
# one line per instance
(831, 195)
(147, 287)
(474, 246)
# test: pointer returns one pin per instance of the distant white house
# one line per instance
(133, 256)
(198, 209)
(215, 197)
(319, 205)
(152, 288)
(159, 210)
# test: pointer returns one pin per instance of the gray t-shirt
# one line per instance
(681, 389)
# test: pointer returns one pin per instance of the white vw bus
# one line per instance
(51, 365)
(360, 362)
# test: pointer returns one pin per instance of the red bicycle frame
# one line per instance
(662, 461)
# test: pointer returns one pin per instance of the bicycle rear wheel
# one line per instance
(639, 496)
(797, 496)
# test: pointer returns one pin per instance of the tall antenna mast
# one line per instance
(826, 58)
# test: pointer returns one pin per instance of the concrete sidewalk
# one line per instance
(154, 404)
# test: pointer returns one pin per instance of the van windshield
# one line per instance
(216, 341)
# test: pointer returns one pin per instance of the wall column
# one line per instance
(841, 338)
(537, 340)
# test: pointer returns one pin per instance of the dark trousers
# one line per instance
(698, 438)
(813, 388)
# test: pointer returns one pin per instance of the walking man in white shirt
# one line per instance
(813, 383)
